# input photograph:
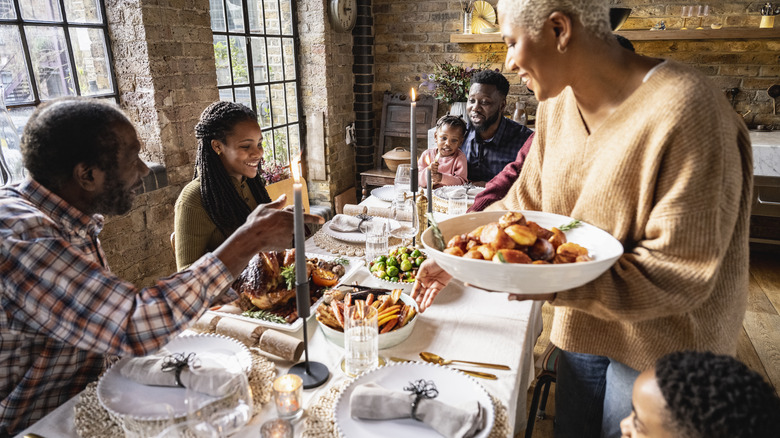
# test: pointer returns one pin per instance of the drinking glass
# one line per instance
(405, 220)
(189, 429)
(704, 10)
(458, 203)
(403, 181)
(361, 338)
(144, 429)
(226, 414)
(686, 13)
(376, 239)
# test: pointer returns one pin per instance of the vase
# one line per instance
(467, 23)
(459, 109)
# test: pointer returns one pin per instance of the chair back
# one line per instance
(286, 186)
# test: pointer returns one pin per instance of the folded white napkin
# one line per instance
(373, 402)
(345, 224)
(204, 376)
(449, 192)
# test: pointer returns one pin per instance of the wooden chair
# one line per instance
(548, 362)
(396, 121)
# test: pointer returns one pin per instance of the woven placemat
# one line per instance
(350, 249)
(93, 421)
(320, 423)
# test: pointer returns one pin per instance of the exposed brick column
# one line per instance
(363, 68)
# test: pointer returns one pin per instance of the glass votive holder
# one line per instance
(277, 428)
(287, 396)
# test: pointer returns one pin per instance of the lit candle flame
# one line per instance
(428, 160)
(295, 168)
(414, 96)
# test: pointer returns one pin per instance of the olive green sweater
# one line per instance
(196, 233)
(669, 174)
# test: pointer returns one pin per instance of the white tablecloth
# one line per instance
(464, 323)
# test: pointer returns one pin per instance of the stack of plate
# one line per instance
(441, 196)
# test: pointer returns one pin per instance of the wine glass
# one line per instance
(686, 13)
(405, 221)
(226, 414)
(403, 181)
(703, 11)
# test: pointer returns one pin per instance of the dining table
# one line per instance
(463, 323)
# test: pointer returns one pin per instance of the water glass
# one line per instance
(377, 238)
(226, 415)
(458, 203)
(361, 338)
(405, 220)
(403, 181)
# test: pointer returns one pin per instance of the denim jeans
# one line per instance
(592, 395)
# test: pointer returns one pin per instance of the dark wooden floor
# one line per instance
(759, 344)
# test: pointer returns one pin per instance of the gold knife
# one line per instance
(470, 373)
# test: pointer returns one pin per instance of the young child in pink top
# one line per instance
(447, 162)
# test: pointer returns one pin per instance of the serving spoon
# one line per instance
(433, 358)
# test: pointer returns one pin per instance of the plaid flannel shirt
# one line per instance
(62, 312)
(487, 158)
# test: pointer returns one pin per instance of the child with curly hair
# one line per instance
(702, 395)
(447, 162)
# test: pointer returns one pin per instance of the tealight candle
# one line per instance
(287, 396)
(276, 428)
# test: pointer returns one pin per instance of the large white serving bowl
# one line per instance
(386, 340)
(525, 278)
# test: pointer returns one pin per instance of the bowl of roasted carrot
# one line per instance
(397, 314)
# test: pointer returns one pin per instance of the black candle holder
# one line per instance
(313, 374)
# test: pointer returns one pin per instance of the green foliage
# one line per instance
(450, 82)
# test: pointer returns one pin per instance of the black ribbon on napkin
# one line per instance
(177, 362)
(363, 218)
(421, 389)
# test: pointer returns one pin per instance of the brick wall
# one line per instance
(412, 36)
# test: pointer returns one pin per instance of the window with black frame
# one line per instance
(48, 49)
(255, 51)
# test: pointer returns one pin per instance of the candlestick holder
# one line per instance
(313, 374)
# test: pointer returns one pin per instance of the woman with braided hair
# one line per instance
(226, 186)
(692, 394)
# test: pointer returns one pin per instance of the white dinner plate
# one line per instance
(126, 398)
(443, 192)
(385, 193)
(356, 236)
(351, 270)
(454, 388)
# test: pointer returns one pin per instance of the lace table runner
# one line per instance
(93, 421)
(320, 423)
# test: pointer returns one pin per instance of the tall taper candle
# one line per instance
(301, 279)
(429, 193)
(413, 142)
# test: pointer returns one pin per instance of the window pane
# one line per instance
(82, 11)
(292, 102)
(226, 94)
(278, 108)
(256, 16)
(51, 67)
(235, 15)
(268, 150)
(275, 59)
(7, 10)
(259, 64)
(13, 68)
(242, 96)
(41, 10)
(280, 146)
(238, 60)
(295, 140)
(222, 61)
(263, 109)
(217, 9)
(271, 17)
(286, 17)
(289, 58)
(91, 56)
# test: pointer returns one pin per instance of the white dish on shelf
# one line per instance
(444, 192)
(126, 398)
(385, 193)
(351, 270)
(355, 236)
(454, 388)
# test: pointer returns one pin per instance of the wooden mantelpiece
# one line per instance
(732, 33)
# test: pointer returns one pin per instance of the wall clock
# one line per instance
(343, 14)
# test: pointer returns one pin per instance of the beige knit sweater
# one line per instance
(669, 174)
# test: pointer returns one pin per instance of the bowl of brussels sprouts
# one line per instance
(398, 268)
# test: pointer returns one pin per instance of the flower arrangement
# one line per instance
(450, 82)
(274, 172)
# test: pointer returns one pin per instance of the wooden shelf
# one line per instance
(733, 33)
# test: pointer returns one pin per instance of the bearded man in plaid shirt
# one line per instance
(62, 312)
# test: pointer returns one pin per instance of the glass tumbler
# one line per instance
(377, 237)
(458, 203)
(403, 181)
(361, 339)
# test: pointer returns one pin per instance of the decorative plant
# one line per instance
(274, 172)
(450, 82)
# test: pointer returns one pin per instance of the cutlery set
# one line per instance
(435, 359)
